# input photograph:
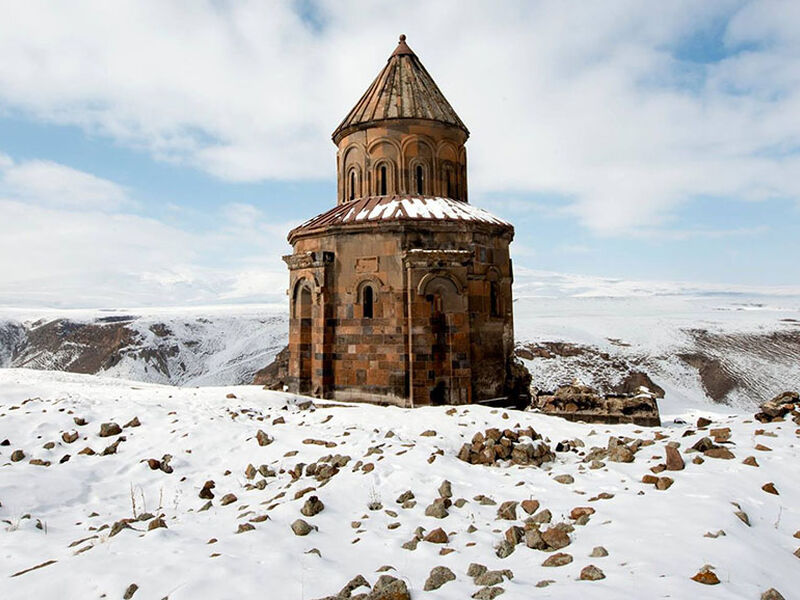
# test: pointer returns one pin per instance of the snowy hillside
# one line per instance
(103, 523)
(183, 346)
(700, 343)
(738, 350)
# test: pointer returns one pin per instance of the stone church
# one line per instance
(401, 293)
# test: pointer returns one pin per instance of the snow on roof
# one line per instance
(401, 208)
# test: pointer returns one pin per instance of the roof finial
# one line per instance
(402, 47)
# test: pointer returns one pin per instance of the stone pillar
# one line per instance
(314, 270)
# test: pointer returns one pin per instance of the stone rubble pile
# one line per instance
(582, 403)
(521, 447)
(779, 407)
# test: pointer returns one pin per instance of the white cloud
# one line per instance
(52, 184)
(68, 238)
(584, 101)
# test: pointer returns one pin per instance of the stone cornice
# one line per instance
(307, 260)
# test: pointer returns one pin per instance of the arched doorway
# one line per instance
(445, 303)
(302, 312)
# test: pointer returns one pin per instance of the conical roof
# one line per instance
(402, 90)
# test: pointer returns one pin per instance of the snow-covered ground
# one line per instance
(655, 539)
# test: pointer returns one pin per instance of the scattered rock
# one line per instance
(69, 436)
(437, 578)
(751, 461)
(488, 593)
(300, 527)
(703, 422)
(504, 549)
(112, 448)
(743, 517)
(156, 523)
(134, 422)
(674, 459)
(581, 511)
(119, 526)
(514, 534)
(534, 540)
(428, 433)
(389, 588)
(476, 570)
(559, 559)
(770, 488)
(446, 490)
(205, 492)
(715, 535)
(437, 510)
(405, 497)
(437, 536)
(619, 452)
(263, 439)
(17, 455)
(664, 483)
(507, 511)
(723, 453)
(355, 583)
(565, 479)
(598, 552)
(706, 576)
(772, 594)
(489, 578)
(109, 429)
(704, 444)
(543, 516)
(591, 573)
(556, 538)
(721, 434)
(312, 506)
(130, 591)
(228, 499)
(530, 506)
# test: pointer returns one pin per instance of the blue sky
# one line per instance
(143, 165)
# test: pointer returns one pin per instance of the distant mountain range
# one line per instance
(189, 348)
(735, 349)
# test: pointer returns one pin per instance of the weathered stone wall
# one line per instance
(441, 328)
